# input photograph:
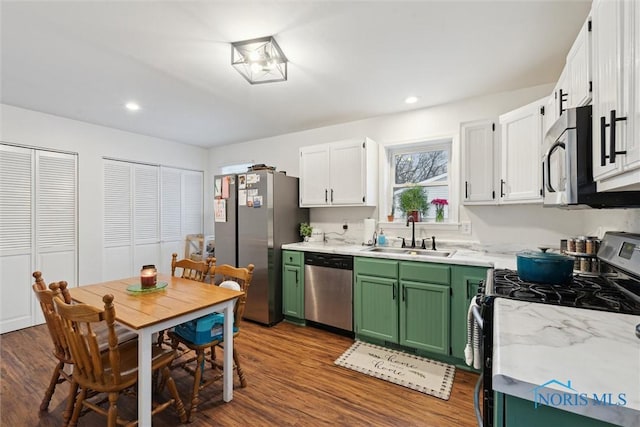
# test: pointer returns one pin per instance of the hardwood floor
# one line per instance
(292, 381)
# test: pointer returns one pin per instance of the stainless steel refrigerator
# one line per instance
(260, 214)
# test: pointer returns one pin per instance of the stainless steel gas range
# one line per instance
(616, 291)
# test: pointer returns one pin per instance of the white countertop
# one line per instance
(460, 257)
(596, 351)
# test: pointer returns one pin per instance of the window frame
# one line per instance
(446, 143)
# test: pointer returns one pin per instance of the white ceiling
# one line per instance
(348, 60)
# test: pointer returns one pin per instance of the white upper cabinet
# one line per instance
(340, 173)
(521, 139)
(314, 175)
(578, 79)
(479, 148)
(550, 113)
(616, 82)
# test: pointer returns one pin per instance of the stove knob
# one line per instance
(638, 330)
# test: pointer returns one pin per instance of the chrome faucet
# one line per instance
(411, 219)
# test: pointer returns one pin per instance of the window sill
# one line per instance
(449, 226)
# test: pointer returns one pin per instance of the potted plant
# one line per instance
(413, 202)
(391, 216)
(305, 231)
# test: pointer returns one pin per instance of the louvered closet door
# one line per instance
(192, 203)
(38, 228)
(171, 217)
(16, 238)
(118, 223)
(56, 222)
(146, 216)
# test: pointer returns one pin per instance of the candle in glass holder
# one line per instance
(148, 276)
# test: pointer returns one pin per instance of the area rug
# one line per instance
(414, 372)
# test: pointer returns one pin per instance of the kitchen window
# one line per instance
(426, 164)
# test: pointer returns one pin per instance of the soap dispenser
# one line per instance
(382, 239)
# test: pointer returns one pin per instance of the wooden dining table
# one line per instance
(149, 312)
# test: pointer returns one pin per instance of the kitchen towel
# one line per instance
(369, 229)
(472, 351)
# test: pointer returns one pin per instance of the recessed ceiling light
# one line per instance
(132, 106)
(411, 100)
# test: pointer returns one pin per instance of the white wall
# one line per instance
(524, 225)
(92, 143)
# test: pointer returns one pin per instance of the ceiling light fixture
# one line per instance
(259, 60)
(411, 100)
(132, 106)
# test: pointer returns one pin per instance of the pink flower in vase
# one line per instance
(440, 204)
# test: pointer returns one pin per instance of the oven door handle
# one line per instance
(476, 400)
(477, 316)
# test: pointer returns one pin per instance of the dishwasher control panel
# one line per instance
(343, 262)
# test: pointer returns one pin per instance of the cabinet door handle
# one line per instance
(296, 277)
(603, 141)
(612, 137)
(326, 195)
(404, 293)
(332, 195)
(502, 188)
(563, 97)
(393, 286)
(466, 189)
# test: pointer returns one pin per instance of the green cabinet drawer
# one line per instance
(376, 267)
(293, 257)
(424, 272)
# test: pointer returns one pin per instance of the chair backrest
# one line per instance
(79, 323)
(194, 270)
(240, 275)
(45, 298)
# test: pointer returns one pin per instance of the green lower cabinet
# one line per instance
(293, 285)
(464, 285)
(404, 303)
(376, 308)
(424, 316)
(511, 411)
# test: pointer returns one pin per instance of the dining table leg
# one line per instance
(144, 378)
(227, 373)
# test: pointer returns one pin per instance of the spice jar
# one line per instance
(571, 245)
(585, 265)
(580, 245)
(590, 246)
(148, 276)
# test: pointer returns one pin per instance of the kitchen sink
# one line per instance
(414, 252)
(388, 250)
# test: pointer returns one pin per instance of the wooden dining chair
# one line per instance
(195, 365)
(194, 270)
(62, 370)
(111, 371)
(188, 269)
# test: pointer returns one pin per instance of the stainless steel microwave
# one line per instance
(567, 166)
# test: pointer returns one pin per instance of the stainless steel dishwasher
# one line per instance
(328, 289)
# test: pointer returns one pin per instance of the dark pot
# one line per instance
(415, 215)
(543, 267)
